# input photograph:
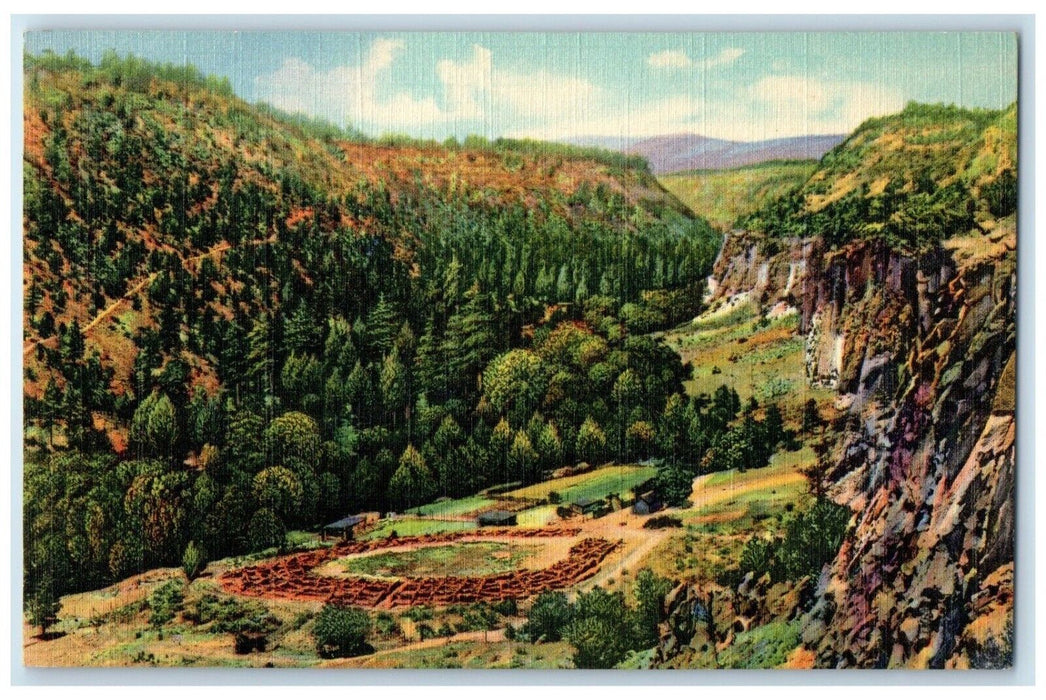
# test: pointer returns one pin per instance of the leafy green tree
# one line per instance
(549, 446)
(591, 441)
(601, 629)
(278, 489)
(514, 385)
(265, 530)
(261, 363)
(548, 617)
(412, 483)
(638, 439)
(381, 325)
(675, 484)
(293, 440)
(243, 450)
(650, 591)
(341, 631)
(154, 427)
(394, 386)
(523, 460)
(157, 505)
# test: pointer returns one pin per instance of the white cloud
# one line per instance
(466, 83)
(668, 59)
(346, 93)
(723, 58)
(469, 90)
(790, 105)
(679, 59)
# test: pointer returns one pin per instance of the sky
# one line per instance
(574, 86)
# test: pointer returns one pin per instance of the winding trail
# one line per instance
(137, 288)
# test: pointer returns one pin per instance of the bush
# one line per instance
(660, 522)
(597, 642)
(811, 539)
(506, 607)
(479, 616)
(549, 615)
(245, 642)
(385, 624)
(230, 615)
(419, 613)
(165, 602)
(341, 631)
(602, 629)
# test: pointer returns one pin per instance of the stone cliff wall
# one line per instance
(922, 353)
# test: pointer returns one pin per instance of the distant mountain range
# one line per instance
(678, 152)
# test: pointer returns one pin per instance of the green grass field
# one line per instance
(453, 507)
(760, 358)
(407, 527)
(459, 559)
(536, 517)
(592, 485)
(721, 196)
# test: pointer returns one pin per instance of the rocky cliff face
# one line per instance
(922, 353)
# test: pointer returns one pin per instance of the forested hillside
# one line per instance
(237, 322)
(912, 179)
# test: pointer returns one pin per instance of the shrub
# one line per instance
(341, 631)
(548, 616)
(811, 539)
(165, 602)
(660, 522)
(419, 613)
(245, 642)
(479, 616)
(251, 623)
(603, 629)
(597, 643)
(506, 607)
(385, 624)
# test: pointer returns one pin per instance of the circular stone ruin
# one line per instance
(294, 576)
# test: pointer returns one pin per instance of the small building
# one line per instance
(586, 506)
(496, 518)
(647, 503)
(342, 528)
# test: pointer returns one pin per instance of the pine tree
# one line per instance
(394, 386)
(412, 483)
(382, 325)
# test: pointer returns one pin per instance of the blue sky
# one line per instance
(742, 86)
